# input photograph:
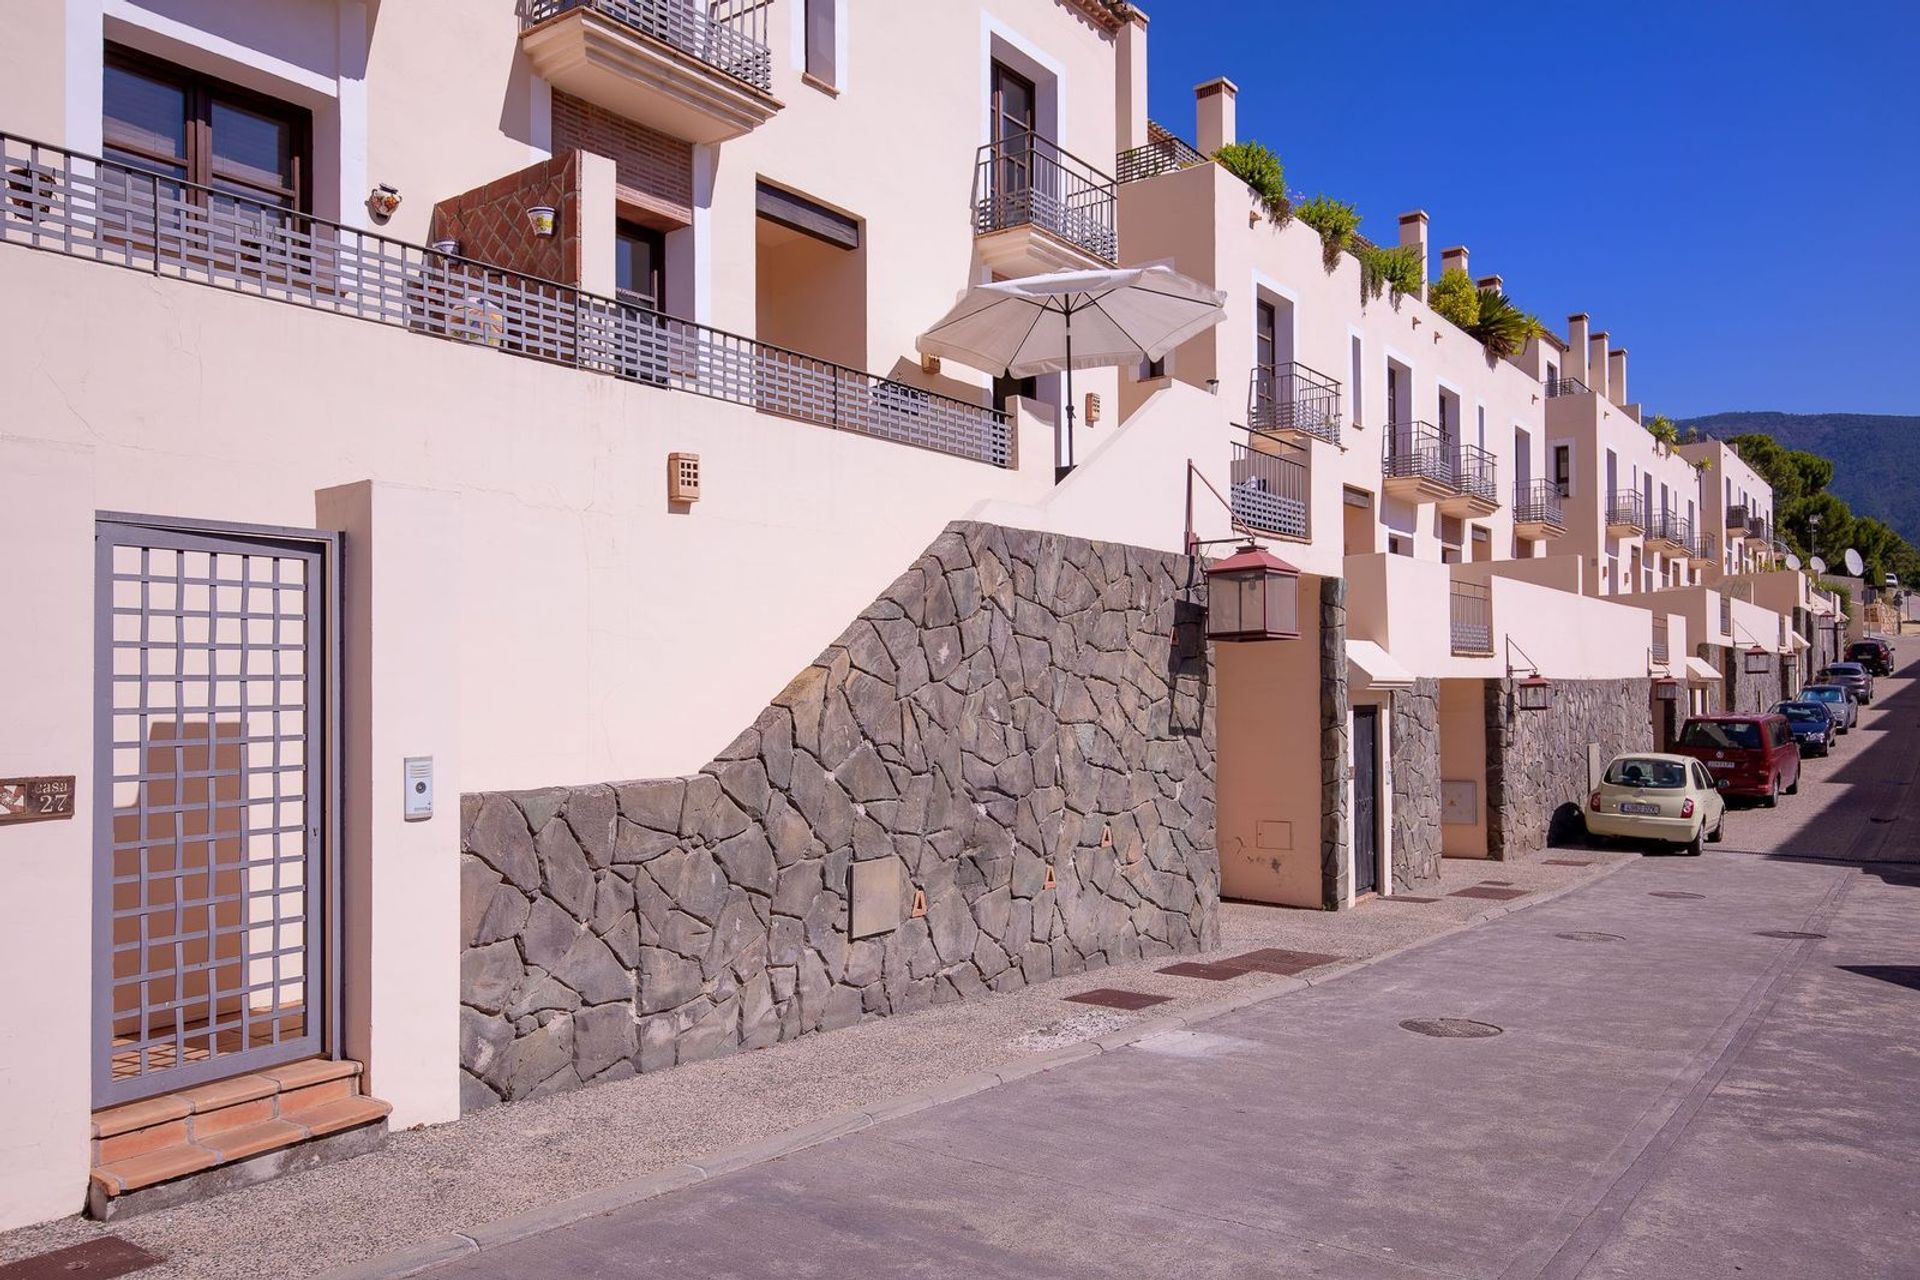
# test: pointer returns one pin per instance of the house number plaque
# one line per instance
(35, 799)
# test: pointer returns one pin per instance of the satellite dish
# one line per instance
(1818, 565)
(1854, 563)
(1793, 562)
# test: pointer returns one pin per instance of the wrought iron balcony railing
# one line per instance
(1625, 506)
(57, 200)
(1737, 518)
(1294, 397)
(730, 36)
(1269, 492)
(1757, 528)
(1163, 153)
(1565, 387)
(1673, 529)
(1028, 181)
(1538, 502)
(1471, 621)
(1418, 450)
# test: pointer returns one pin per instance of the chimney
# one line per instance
(1598, 362)
(1455, 257)
(1130, 108)
(1492, 284)
(1576, 362)
(1213, 105)
(1413, 231)
(1617, 376)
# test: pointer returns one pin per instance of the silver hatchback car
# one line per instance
(1839, 701)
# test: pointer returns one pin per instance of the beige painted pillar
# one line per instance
(1599, 365)
(1214, 114)
(1617, 376)
(1492, 284)
(1130, 76)
(1455, 258)
(597, 207)
(1414, 231)
(1576, 366)
(46, 868)
(401, 698)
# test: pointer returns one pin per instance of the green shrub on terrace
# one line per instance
(1397, 268)
(1335, 220)
(1453, 295)
(1264, 175)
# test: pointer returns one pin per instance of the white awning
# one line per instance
(1796, 642)
(1700, 671)
(1371, 667)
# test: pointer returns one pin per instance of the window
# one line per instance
(1357, 383)
(1553, 372)
(205, 132)
(1399, 544)
(820, 41)
(1563, 469)
(639, 265)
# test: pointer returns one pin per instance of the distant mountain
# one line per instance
(1875, 456)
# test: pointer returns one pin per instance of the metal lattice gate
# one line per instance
(214, 906)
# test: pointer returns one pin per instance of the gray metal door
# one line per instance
(1366, 799)
(214, 909)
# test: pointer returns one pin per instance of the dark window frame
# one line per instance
(202, 91)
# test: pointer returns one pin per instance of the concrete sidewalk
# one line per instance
(1685, 1098)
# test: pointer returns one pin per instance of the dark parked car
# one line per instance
(1875, 655)
(1811, 724)
(1839, 702)
(1745, 755)
(1853, 677)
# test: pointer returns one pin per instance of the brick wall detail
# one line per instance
(654, 172)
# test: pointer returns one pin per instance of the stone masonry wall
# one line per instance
(1025, 721)
(1336, 735)
(1416, 786)
(1742, 693)
(1537, 760)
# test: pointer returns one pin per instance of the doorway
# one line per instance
(1366, 800)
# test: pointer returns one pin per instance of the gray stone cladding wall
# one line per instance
(1336, 734)
(1416, 786)
(1742, 693)
(1537, 760)
(1024, 720)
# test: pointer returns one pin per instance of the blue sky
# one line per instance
(1732, 190)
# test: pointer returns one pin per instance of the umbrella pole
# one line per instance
(1069, 315)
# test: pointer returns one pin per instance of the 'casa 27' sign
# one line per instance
(35, 799)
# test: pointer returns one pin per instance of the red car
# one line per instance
(1753, 756)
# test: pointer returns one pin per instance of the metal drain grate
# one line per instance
(1786, 933)
(1115, 998)
(1674, 893)
(1589, 935)
(1450, 1028)
(97, 1259)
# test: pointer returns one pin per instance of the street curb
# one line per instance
(437, 1251)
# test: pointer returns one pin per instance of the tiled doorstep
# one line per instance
(429, 1254)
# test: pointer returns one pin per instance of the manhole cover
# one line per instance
(1674, 893)
(1589, 935)
(1786, 933)
(1450, 1028)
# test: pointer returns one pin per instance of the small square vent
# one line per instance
(683, 477)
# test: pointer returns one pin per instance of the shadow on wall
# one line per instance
(1010, 743)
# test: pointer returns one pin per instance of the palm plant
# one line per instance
(1503, 329)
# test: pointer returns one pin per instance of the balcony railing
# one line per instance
(57, 200)
(1737, 518)
(728, 35)
(1660, 640)
(1028, 181)
(1163, 153)
(1706, 546)
(1472, 619)
(1757, 527)
(1538, 502)
(1294, 397)
(1418, 450)
(1625, 506)
(1673, 529)
(1269, 492)
(1565, 387)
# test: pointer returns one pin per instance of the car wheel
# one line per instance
(1692, 847)
(1719, 831)
(1773, 793)
(1793, 788)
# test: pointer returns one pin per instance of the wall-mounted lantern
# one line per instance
(541, 218)
(1535, 693)
(1253, 595)
(1758, 661)
(1667, 690)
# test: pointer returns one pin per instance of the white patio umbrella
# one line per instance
(1073, 320)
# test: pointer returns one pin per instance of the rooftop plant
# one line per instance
(1503, 329)
(1397, 268)
(1663, 428)
(1258, 167)
(1454, 296)
(1335, 220)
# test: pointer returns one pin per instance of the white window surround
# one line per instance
(1000, 42)
(798, 27)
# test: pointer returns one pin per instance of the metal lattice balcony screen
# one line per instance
(1565, 387)
(728, 35)
(1269, 492)
(1538, 502)
(1472, 618)
(1163, 153)
(60, 201)
(1028, 181)
(1294, 397)
(1419, 450)
(1737, 518)
(1625, 506)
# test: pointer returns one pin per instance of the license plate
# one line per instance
(1720, 764)
(1634, 806)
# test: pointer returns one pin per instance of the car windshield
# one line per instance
(1847, 669)
(1826, 693)
(1801, 711)
(1742, 735)
(1638, 771)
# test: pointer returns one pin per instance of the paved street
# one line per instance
(1671, 1094)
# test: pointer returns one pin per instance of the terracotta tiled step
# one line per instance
(157, 1140)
